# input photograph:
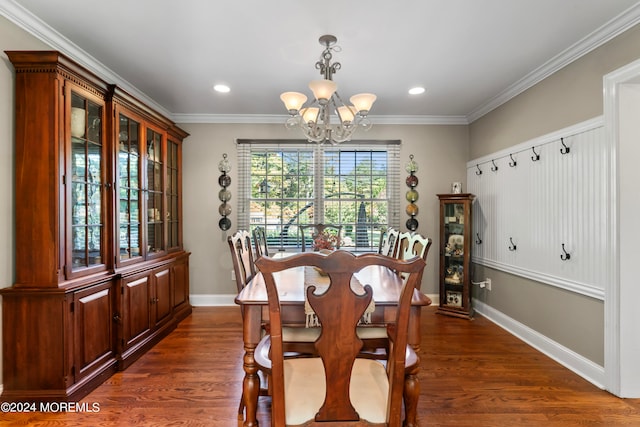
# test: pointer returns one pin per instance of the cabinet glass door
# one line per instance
(454, 238)
(87, 164)
(155, 193)
(172, 195)
(129, 188)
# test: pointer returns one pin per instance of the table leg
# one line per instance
(252, 330)
(250, 387)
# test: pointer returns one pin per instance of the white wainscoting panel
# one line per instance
(526, 209)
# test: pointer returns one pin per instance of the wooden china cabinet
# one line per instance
(101, 272)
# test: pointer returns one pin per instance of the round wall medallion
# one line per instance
(225, 209)
(224, 180)
(224, 165)
(412, 196)
(412, 181)
(224, 195)
(412, 209)
(412, 224)
(224, 223)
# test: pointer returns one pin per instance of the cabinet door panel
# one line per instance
(136, 314)
(163, 301)
(180, 287)
(94, 332)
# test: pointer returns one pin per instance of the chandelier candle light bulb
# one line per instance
(314, 119)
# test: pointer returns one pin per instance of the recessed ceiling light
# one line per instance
(221, 88)
(416, 90)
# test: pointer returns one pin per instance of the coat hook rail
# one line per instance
(535, 156)
(494, 167)
(478, 239)
(565, 256)
(513, 162)
(564, 149)
(479, 171)
(512, 247)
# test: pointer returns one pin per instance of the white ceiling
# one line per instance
(470, 55)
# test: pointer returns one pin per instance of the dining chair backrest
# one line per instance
(403, 244)
(312, 230)
(242, 257)
(339, 395)
(260, 242)
(412, 245)
(388, 242)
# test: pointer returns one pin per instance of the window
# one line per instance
(285, 184)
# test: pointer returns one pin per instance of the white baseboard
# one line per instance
(587, 369)
(212, 300)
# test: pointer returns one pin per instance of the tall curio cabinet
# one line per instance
(455, 254)
(101, 273)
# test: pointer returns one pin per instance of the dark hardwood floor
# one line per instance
(473, 374)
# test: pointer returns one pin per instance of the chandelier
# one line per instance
(314, 119)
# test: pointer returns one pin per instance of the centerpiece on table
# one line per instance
(325, 241)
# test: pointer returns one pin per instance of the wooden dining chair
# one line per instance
(312, 230)
(242, 257)
(339, 388)
(260, 242)
(298, 341)
(244, 270)
(389, 242)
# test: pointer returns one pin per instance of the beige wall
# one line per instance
(569, 96)
(441, 153)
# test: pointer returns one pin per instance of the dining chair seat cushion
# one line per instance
(293, 334)
(373, 332)
(305, 389)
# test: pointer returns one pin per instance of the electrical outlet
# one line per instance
(487, 281)
(233, 275)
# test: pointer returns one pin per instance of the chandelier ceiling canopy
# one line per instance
(314, 118)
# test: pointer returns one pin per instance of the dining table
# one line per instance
(386, 286)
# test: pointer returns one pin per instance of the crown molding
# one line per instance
(280, 119)
(42, 31)
(608, 31)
